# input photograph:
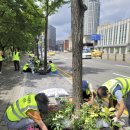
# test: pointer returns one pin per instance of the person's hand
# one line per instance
(90, 102)
(115, 119)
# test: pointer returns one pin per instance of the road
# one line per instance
(96, 70)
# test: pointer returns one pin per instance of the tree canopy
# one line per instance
(20, 22)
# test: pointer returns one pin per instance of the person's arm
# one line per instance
(48, 67)
(120, 109)
(41, 124)
(92, 94)
(35, 115)
(118, 95)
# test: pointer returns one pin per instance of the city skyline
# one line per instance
(111, 11)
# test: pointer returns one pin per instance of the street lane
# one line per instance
(96, 70)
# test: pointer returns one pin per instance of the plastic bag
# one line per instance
(52, 92)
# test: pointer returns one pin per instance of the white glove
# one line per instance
(115, 119)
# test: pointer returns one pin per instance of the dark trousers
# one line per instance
(85, 96)
(0, 66)
(28, 70)
(16, 65)
(15, 125)
(128, 106)
(48, 71)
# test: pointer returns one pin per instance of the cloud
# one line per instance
(114, 10)
(61, 20)
(110, 12)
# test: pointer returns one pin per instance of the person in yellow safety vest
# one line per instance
(117, 89)
(88, 92)
(1, 60)
(51, 68)
(26, 68)
(27, 110)
(37, 64)
(16, 59)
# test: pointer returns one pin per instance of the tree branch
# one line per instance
(82, 5)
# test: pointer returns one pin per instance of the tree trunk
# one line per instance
(46, 33)
(77, 13)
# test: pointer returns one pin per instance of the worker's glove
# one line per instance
(115, 119)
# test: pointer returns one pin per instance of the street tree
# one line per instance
(20, 23)
(50, 7)
(77, 13)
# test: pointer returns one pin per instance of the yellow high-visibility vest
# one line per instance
(17, 111)
(25, 66)
(1, 58)
(53, 68)
(123, 82)
(16, 56)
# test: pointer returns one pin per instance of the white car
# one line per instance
(86, 54)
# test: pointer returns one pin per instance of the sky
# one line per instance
(110, 12)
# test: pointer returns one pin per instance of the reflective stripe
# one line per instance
(17, 104)
(14, 112)
(127, 85)
(30, 107)
(23, 109)
(127, 89)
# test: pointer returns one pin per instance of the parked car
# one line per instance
(96, 53)
(86, 54)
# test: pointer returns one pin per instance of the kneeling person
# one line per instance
(88, 92)
(26, 111)
(26, 68)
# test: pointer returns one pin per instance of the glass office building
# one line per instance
(91, 16)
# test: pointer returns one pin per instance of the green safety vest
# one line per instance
(17, 111)
(1, 58)
(16, 56)
(53, 68)
(123, 82)
(25, 67)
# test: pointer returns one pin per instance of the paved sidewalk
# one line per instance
(14, 85)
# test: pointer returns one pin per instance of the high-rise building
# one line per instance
(60, 45)
(51, 38)
(91, 17)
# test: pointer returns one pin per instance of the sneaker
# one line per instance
(0, 72)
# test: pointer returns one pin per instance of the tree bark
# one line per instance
(46, 33)
(77, 13)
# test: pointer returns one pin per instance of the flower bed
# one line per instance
(86, 118)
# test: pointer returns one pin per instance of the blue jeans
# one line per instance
(15, 125)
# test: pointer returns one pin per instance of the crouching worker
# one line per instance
(27, 110)
(88, 92)
(52, 68)
(26, 68)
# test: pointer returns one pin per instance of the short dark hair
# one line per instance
(103, 91)
(50, 61)
(42, 102)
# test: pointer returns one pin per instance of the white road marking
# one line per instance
(121, 75)
(123, 66)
